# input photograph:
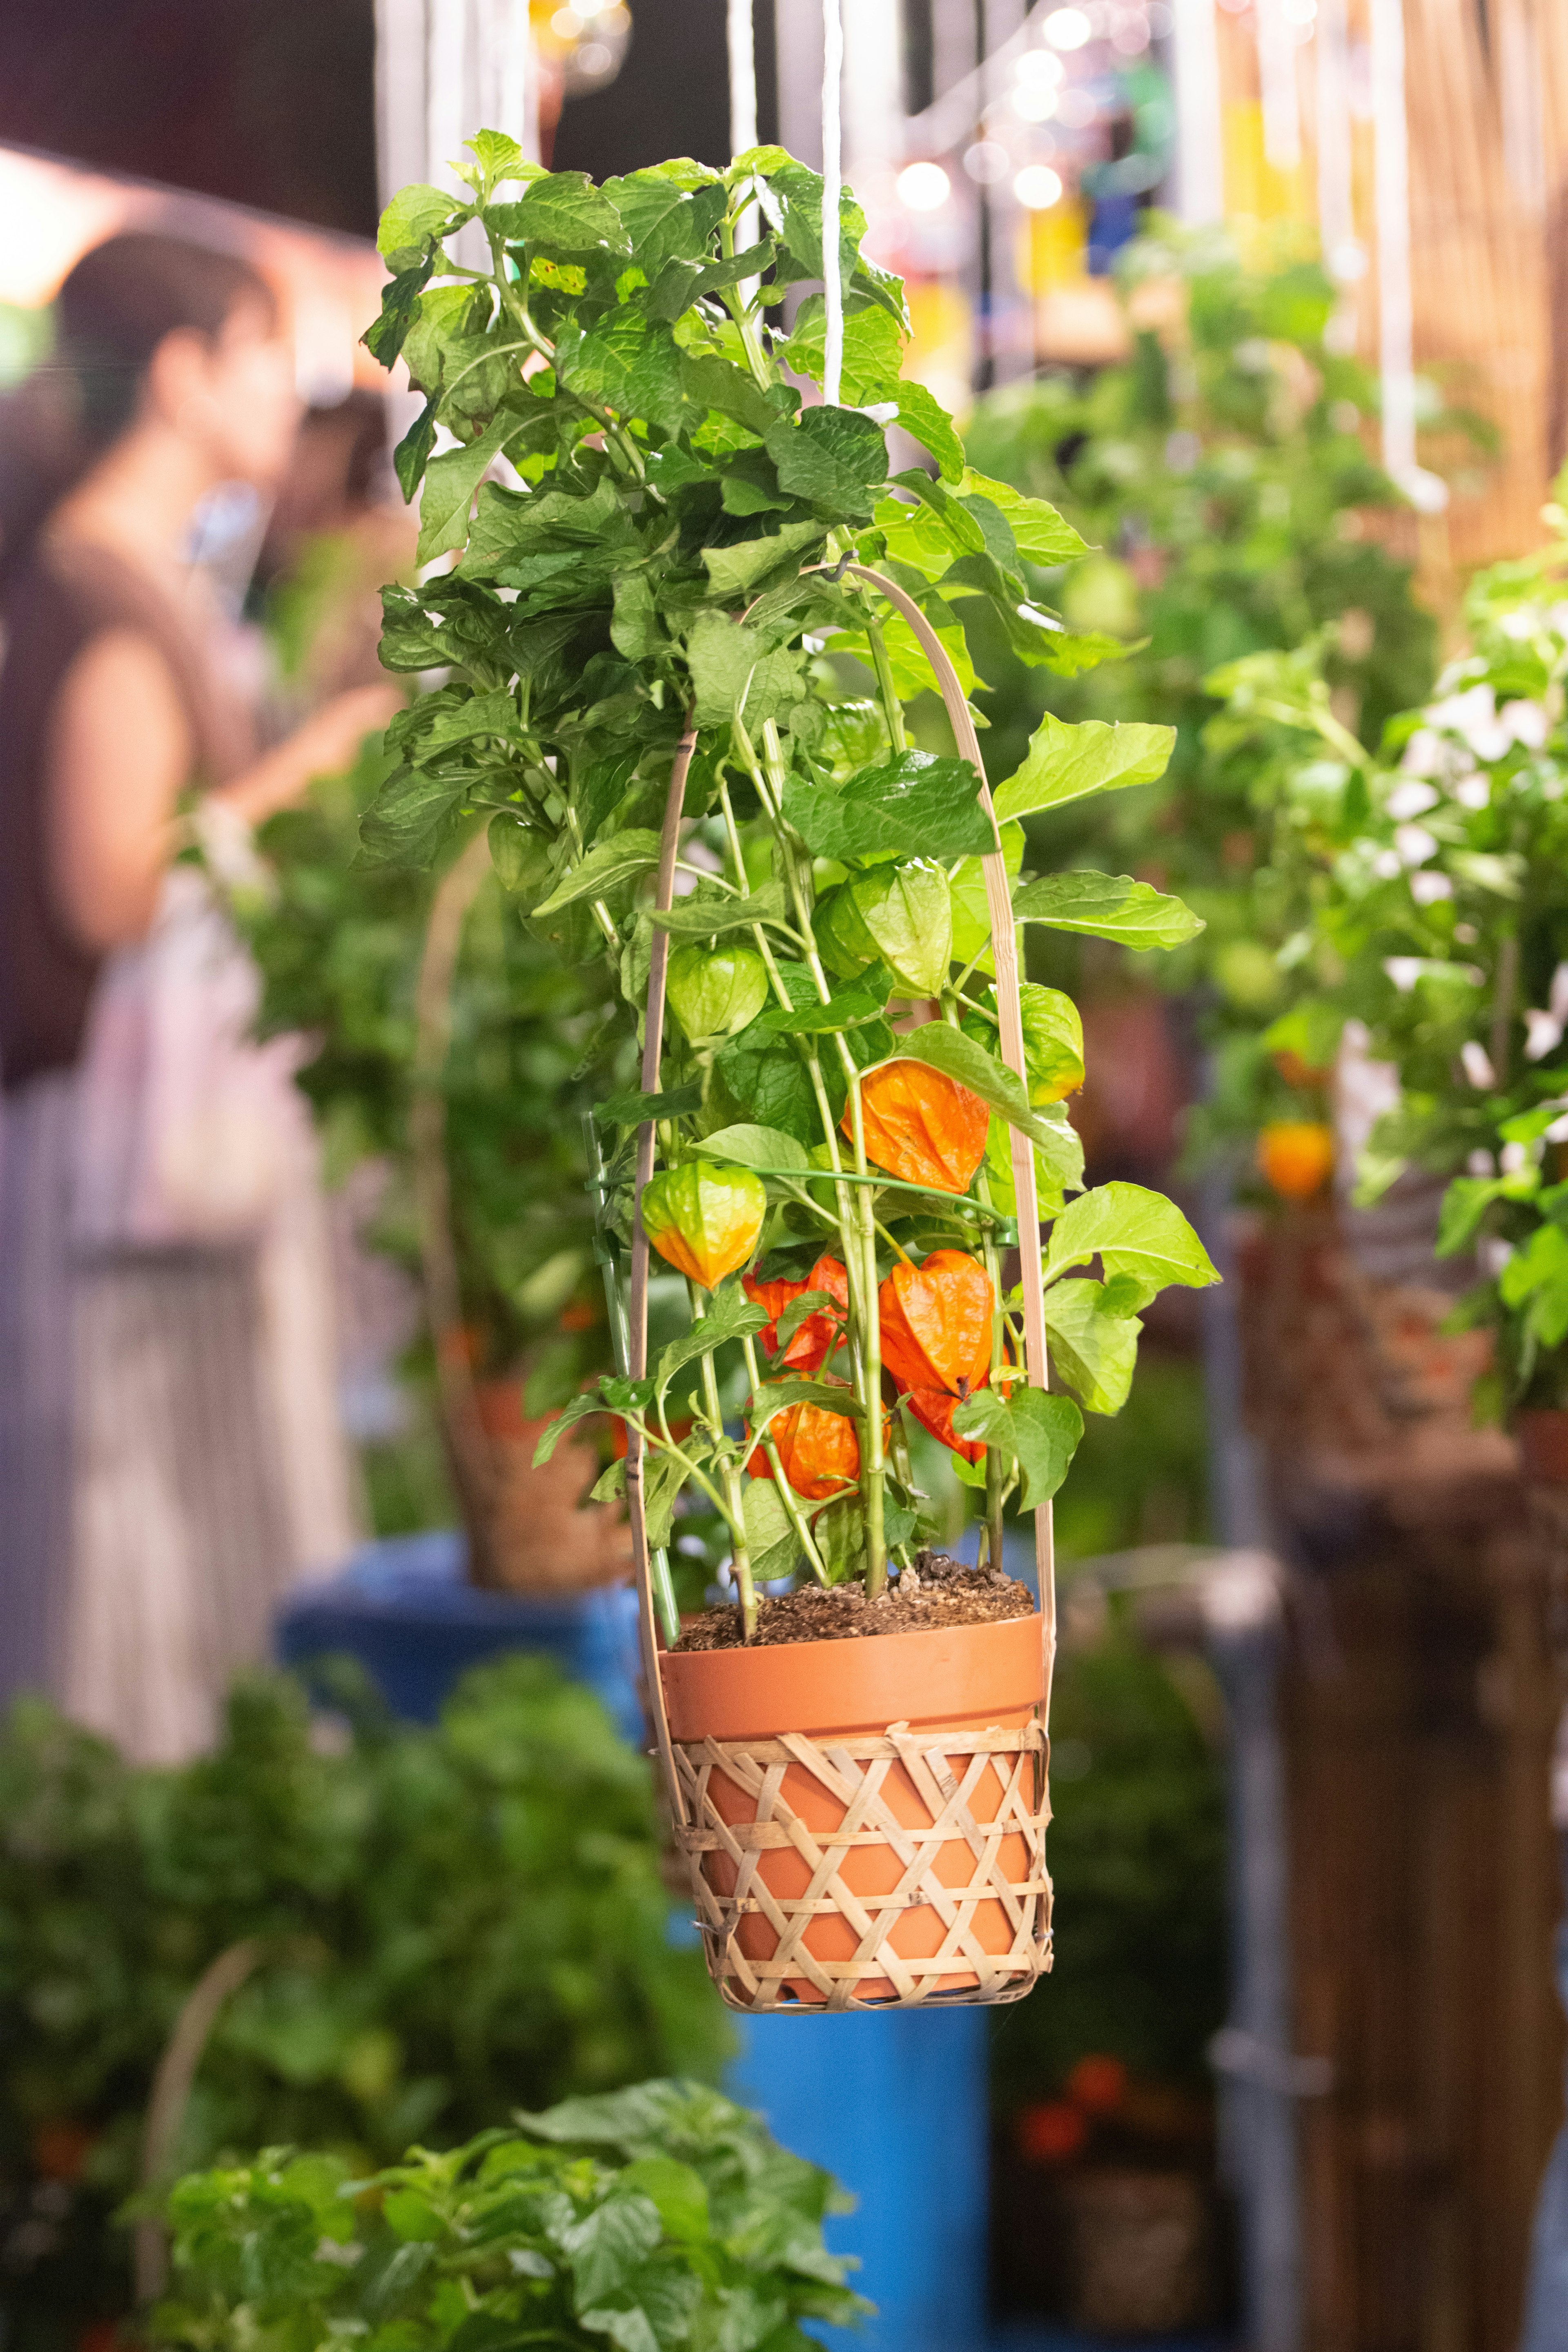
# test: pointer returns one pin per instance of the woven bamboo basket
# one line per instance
(866, 1857)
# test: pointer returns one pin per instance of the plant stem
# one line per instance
(893, 708)
(787, 1495)
(733, 1494)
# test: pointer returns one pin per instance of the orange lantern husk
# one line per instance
(936, 1321)
(819, 1452)
(815, 1341)
(922, 1126)
(934, 1409)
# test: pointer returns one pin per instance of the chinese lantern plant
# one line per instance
(643, 629)
(1424, 890)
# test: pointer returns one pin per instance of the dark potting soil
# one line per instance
(935, 1593)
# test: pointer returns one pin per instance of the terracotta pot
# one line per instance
(823, 1777)
(1543, 1437)
(535, 1540)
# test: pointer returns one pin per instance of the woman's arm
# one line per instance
(121, 755)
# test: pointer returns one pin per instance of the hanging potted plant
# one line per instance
(1426, 887)
(852, 1113)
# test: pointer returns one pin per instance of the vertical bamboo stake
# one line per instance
(832, 185)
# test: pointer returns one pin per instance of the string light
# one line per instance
(1068, 28)
(1037, 188)
(923, 187)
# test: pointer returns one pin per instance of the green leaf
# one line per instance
(1053, 1044)
(733, 669)
(606, 865)
(608, 2242)
(925, 419)
(761, 1148)
(663, 1479)
(1059, 1168)
(730, 1316)
(710, 382)
(766, 1078)
(416, 215)
(781, 1396)
(1046, 1432)
(1093, 1348)
(400, 305)
(971, 908)
(1464, 1203)
(916, 804)
(1108, 907)
(1536, 1277)
(850, 1009)
(410, 818)
(1132, 1231)
(677, 2192)
(770, 1542)
(631, 1109)
(1067, 764)
(735, 570)
(450, 481)
(705, 914)
(831, 457)
(565, 214)
(626, 362)
(1038, 532)
(549, 1437)
(942, 1047)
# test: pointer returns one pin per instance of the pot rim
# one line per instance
(935, 1675)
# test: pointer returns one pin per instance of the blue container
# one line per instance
(402, 1607)
(892, 2103)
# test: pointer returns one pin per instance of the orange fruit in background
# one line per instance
(1296, 1157)
(1052, 2130)
(1098, 2084)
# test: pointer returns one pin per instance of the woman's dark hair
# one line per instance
(113, 310)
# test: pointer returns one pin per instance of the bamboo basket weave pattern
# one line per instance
(917, 1857)
(951, 1864)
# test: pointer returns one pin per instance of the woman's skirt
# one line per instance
(169, 1461)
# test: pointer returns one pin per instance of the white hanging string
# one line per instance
(832, 182)
(1395, 311)
(1200, 144)
(517, 111)
(1336, 217)
(446, 70)
(1276, 78)
(743, 46)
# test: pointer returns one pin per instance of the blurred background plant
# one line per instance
(1418, 914)
(1221, 473)
(449, 1923)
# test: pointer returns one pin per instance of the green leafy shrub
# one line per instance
(339, 941)
(660, 2216)
(1421, 902)
(451, 1922)
(1222, 477)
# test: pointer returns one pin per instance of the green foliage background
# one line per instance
(456, 1921)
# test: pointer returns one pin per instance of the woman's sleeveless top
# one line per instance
(59, 600)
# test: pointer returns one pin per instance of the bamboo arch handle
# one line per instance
(999, 906)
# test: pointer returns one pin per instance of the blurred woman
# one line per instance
(148, 1518)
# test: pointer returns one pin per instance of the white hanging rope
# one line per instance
(743, 46)
(1395, 312)
(1276, 78)
(832, 182)
(516, 85)
(1336, 217)
(1200, 143)
(445, 74)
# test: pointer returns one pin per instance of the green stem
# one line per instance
(893, 708)
(735, 1514)
(787, 1495)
